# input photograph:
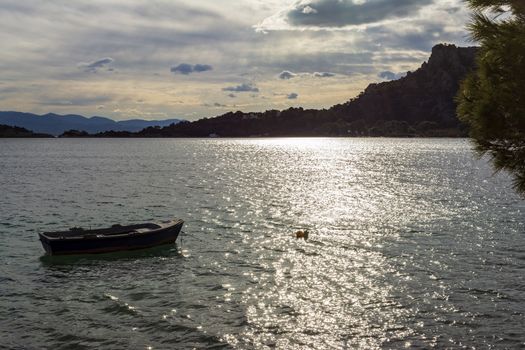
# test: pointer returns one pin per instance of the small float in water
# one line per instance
(115, 238)
(302, 234)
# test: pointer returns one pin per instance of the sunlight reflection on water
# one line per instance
(413, 243)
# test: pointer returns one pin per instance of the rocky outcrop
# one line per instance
(428, 94)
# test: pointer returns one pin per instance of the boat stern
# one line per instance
(45, 243)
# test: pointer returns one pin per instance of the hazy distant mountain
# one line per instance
(55, 124)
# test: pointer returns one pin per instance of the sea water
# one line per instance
(413, 243)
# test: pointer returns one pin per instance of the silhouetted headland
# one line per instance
(7, 131)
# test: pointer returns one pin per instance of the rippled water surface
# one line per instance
(413, 243)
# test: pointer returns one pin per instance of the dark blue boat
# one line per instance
(115, 238)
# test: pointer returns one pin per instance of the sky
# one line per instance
(156, 59)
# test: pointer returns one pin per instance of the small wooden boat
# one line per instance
(115, 238)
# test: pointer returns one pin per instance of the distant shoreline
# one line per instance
(238, 138)
(17, 132)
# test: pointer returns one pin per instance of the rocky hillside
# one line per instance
(424, 95)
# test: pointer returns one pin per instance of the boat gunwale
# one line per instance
(93, 236)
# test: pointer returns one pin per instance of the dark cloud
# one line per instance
(215, 105)
(292, 96)
(242, 88)
(323, 75)
(340, 13)
(93, 67)
(285, 75)
(388, 75)
(202, 67)
(421, 35)
(183, 68)
(186, 68)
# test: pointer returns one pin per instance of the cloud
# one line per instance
(202, 68)
(186, 68)
(292, 96)
(95, 66)
(76, 101)
(388, 75)
(183, 68)
(215, 105)
(308, 10)
(323, 75)
(417, 34)
(341, 13)
(285, 75)
(242, 88)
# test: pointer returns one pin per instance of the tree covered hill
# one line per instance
(7, 131)
(424, 99)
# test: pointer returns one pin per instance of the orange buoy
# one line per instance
(302, 234)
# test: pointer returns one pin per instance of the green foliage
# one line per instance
(492, 99)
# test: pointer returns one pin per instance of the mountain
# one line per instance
(420, 104)
(14, 131)
(428, 94)
(57, 124)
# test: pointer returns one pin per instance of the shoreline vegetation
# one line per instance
(492, 98)
(7, 131)
(421, 104)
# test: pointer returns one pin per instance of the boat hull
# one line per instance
(98, 245)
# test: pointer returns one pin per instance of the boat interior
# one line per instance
(113, 230)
